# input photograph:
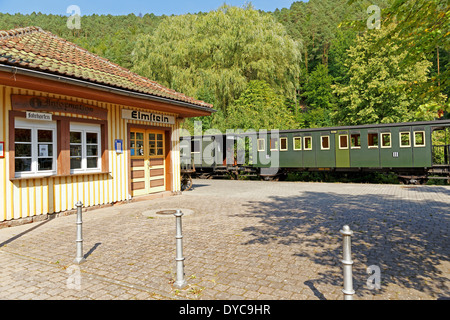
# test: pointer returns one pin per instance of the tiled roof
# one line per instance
(34, 48)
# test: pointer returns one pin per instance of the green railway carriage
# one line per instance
(413, 151)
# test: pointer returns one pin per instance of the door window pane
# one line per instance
(22, 135)
(343, 142)
(45, 136)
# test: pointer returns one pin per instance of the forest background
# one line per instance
(317, 64)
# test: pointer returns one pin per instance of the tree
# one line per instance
(259, 107)
(318, 96)
(419, 28)
(215, 55)
(380, 89)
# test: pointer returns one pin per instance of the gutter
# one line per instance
(82, 83)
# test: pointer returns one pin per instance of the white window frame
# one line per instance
(301, 143)
(277, 144)
(287, 146)
(87, 128)
(355, 147)
(390, 140)
(340, 145)
(378, 138)
(400, 137)
(263, 145)
(199, 141)
(424, 141)
(304, 143)
(321, 142)
(34, 126)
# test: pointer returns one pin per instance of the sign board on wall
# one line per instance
(147, 116)
(42, 104)
(118, 146)
(39, 116)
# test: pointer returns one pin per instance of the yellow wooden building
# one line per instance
(76, 127)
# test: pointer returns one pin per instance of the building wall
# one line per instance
(37, 196)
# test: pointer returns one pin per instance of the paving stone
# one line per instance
(243, 240)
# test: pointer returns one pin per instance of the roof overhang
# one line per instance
(57, 84)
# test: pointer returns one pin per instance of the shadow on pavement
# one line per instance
(407, 239)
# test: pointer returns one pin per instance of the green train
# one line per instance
(415, 151)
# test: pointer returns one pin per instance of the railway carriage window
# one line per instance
(283, 144)
(372, 140)
(196, 146)
(325, 142)
(307, 143)
(297, 143)
(261, 145)
(355, 140)
(274, 144)
(343, 142)
(405, 139)
(419, 139)
(385, 140)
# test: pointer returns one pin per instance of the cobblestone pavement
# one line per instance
(242, 240)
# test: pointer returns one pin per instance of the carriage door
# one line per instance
(147, 161)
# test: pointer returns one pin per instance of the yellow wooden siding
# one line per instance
(30, 197)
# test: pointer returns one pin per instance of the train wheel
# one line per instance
(186, 182)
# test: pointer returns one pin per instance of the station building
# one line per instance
(77, 127)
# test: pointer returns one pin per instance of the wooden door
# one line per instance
(147, 150)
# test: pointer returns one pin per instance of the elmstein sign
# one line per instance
(147, 116)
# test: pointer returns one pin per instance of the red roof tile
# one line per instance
(34, 48)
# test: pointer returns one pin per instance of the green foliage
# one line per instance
(420, 28)
(318, 96)
(215, 55)
(380, 87)
(259, 107)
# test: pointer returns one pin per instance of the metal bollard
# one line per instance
(79, 259)
(180, 282)
(347, 261)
